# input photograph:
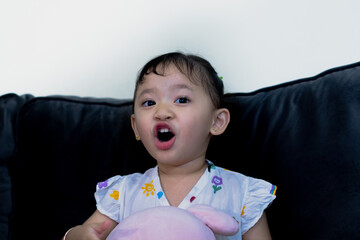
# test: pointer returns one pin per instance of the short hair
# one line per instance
(195, 68)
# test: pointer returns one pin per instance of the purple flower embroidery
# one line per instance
(217, 181)
(103, 184)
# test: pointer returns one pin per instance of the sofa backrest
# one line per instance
(303, 136)
(9, 108)
(67, 145)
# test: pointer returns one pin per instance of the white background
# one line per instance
(96, 47)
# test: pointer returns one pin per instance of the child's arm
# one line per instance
(97, 227)
(259, 231)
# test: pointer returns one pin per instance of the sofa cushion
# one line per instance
(5, 202)
(303, 136)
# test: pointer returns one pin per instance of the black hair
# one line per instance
(195, 68)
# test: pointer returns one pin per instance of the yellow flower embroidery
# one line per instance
(149, 188)
(243, 211)
(115, 195)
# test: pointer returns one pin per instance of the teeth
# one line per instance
(164, 130)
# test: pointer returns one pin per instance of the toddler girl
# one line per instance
(176, 112)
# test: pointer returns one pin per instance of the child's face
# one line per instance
(173, 117)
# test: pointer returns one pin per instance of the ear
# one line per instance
(221, 121)
(218, 221)
(133, 125)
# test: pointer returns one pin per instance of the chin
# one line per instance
(167, 159)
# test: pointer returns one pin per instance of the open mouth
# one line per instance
(165, 137)
(164, 134)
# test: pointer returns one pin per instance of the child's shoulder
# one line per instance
(130, 178)
(247, 183)
(228, 173)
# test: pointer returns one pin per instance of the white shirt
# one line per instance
(242, 197)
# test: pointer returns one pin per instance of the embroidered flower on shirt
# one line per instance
(103, 184)
(149, 189)
(115, 195)
(217, 181)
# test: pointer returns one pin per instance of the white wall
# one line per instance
(95, 48)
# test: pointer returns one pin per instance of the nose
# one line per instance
(164, 112)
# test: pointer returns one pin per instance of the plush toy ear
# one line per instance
(219, 222)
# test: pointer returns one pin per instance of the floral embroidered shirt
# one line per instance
(242, 197)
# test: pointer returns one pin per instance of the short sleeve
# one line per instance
(258, 197)
(107, 197)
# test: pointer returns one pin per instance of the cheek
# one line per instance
(199, 125)
(143, 130)
(142, 125)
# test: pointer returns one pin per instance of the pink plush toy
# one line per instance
(198, 222)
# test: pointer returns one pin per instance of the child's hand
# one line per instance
(92, 231)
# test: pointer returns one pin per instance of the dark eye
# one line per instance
(182, 100)
(148, 103)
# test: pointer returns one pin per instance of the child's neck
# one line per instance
(177, 182)
(180, 171)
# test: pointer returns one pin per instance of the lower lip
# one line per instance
(164, 145)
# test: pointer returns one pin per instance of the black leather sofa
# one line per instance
(303, 136)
